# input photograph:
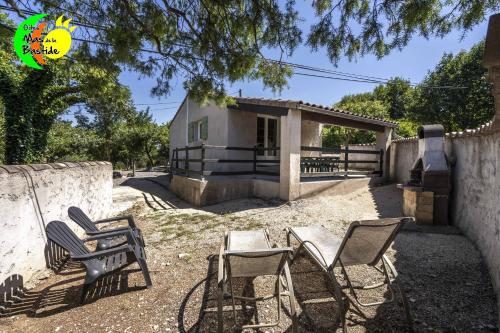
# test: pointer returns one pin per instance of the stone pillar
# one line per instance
(290, 155)
(384, 142)
(491, 61)
(311, 137)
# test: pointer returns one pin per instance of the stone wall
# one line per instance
(33, 195)
(475, 196)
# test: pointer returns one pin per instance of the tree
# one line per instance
(68, 143)
(2, 133)
(364, 104)
(398, 95)
(105, 109)
(394, 101)
(467, 104)
(33, 99)
(209, 43)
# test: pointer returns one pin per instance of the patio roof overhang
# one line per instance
(312, 112)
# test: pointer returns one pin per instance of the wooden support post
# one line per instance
(346, 161)
(186, 162)
(202, 161)
(255, 159)
(176, 158)
(381, 162)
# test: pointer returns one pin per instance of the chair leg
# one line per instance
(144, 266)
(406, 307)
(338, 296)
(291, 298)
(232, 299)
(85, 290)
(220, 295)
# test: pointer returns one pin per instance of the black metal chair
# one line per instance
(102, 262)
(90, 227)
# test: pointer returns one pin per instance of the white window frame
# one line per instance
(267, 155)
(198, 128)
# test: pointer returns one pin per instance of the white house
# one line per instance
(265, 148)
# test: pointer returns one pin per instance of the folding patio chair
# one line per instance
(365, 243)
(248, 254)
(98, 263)
(90, 227)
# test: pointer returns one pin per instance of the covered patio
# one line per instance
(285, 157)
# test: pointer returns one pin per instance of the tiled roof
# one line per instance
(298, 103)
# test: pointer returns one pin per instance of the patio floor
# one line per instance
(444, 277)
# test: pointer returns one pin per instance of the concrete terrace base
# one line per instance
(218, 189)
(223, 188)
(335, 186)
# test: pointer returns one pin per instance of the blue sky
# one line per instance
(412, 63)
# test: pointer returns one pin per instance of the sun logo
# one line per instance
(58, 40)
(32, 47)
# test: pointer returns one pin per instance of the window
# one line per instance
(267, 135)
(198, 130)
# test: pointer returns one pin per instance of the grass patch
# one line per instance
(184, 225)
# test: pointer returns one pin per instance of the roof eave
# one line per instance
(346, 115)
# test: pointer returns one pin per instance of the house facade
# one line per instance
(263, 147)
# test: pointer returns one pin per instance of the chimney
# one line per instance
(491, 60)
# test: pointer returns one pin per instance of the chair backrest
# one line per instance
(256, 263)
(59, 233)
(80, 218)
(366, 241)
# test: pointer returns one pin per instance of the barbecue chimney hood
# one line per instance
(426, 194)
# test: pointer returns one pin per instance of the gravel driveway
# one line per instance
(443, 275)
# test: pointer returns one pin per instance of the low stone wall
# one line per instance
(336, 187)
(215, 190)
(33, 195)
(475, 196)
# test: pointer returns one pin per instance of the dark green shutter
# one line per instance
(190, 132)
(204, 128)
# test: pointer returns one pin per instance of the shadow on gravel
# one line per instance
(442, 273)
(201, 303)
(446, 282)
(319, 310)
(156, 193)
(61, 296)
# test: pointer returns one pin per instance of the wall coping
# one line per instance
(361, 144)
(49, 166)
(484, 129)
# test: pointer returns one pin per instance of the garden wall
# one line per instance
(475, 196)
(33, 195)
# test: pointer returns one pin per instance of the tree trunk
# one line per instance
(150, 158)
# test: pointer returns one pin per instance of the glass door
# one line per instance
(267, 136)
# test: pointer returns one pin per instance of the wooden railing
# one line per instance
(309, 165)
(188, 171)
(324, 164)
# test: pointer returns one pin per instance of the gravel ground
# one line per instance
(444, 278)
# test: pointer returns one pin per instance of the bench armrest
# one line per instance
(98, 232)
(109, 234)
(103, 253)
(129, 218)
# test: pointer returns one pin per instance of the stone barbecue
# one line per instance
(426, 194)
